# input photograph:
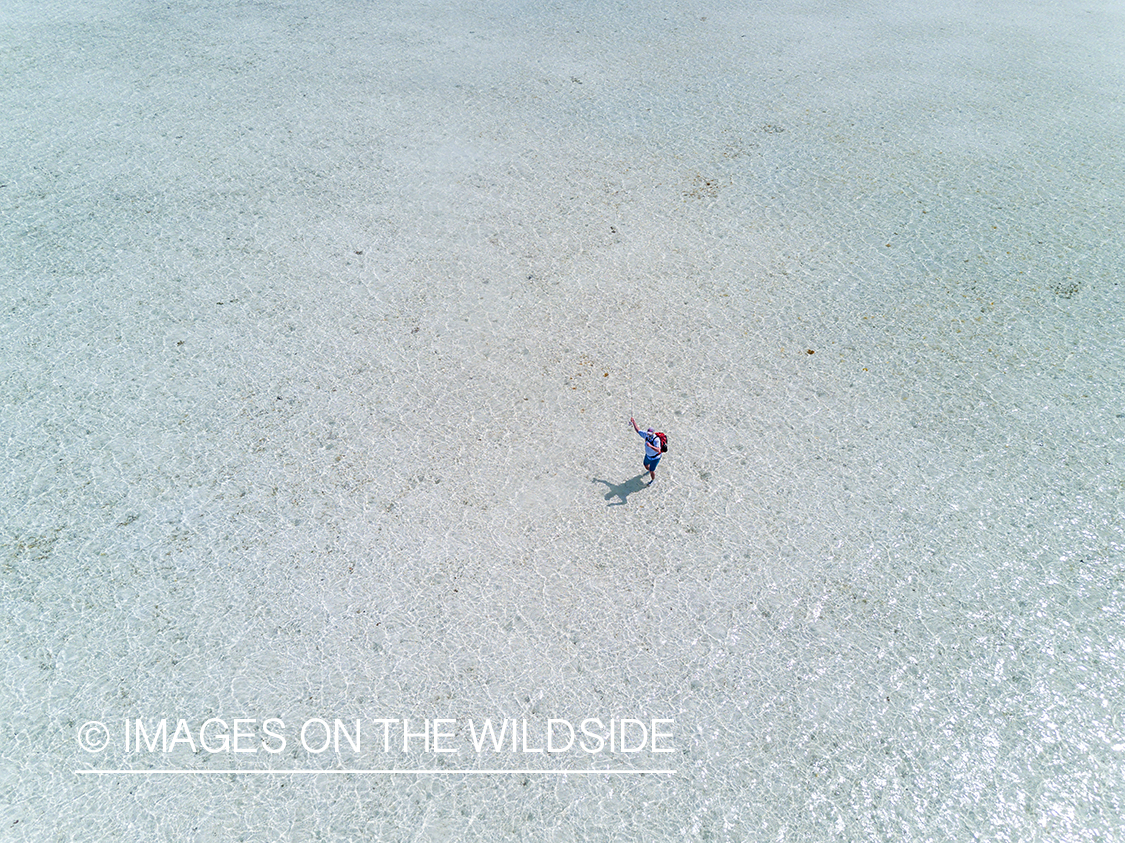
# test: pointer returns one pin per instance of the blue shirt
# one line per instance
(652, 443)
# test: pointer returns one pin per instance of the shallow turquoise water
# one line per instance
(322, 328)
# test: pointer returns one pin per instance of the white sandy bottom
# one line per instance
(318, 408)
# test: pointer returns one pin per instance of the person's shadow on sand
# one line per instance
(621, 490)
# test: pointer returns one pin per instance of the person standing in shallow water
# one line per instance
(652, 450)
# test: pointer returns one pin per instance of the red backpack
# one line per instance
(663, 442)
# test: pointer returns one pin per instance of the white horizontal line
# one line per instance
(368, 772)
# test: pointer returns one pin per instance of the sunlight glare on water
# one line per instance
(322, 328)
